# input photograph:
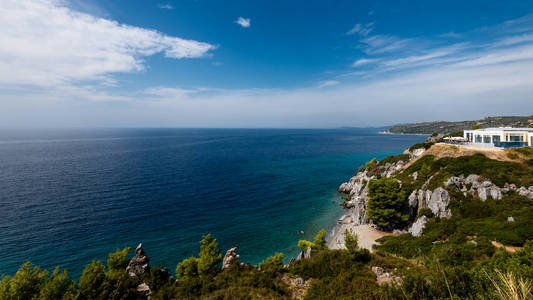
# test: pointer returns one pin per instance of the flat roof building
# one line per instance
(505, 137)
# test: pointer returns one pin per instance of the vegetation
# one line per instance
(448, 127)
(318, 244)
(387, 203)
(425, 145)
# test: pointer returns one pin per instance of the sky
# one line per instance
(262, 64)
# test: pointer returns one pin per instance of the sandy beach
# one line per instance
(366, 233)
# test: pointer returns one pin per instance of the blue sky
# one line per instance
(199, 63)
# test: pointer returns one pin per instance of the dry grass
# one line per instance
(445, 150)
(511, 287)
(510, 249)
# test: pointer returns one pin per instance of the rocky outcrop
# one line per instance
(417, 227)
(231, 257)
(144, 289)
(357, 189)
(484, 189)
(437, 200)
(139, 264)
(384, 277)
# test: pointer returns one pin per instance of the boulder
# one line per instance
(144, 289)
(413, 203)
(307, 254)
(299, 281)
(230, 257)
(457, 181)
(139, 264)
(378, 270)
(438, 203)
(510, 219)
(417, 227)
(471, 179)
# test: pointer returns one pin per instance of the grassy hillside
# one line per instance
(450, 127)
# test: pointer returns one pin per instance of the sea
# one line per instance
(68, 196)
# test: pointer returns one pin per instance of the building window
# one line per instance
(495, 138)
(516, 137)
(478, 139)
(486, 139)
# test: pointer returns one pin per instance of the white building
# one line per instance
(505, 137)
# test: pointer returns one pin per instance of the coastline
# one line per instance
(366, 233)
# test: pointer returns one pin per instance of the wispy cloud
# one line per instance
(243, 22)
(327, 83)
(165, 6)
(362, 30)
(378, 44)
(364, 61)
(451, 34)
(76, 46)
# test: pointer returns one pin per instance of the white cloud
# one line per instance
(355, 29)
(378, 44)
(364, 61)
(243, 22)
(451, 34)
(362, 30)
(327, 83)
(44, 43)
(165, 6)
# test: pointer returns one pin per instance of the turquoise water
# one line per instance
(69, 196)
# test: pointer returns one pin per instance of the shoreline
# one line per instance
(367, 235)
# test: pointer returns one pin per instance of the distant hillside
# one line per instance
(449, 127)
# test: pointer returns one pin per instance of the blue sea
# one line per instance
(70, 195)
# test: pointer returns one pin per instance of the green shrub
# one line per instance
(512, 155)
(26, 284)
(318, 244)
(210, 257)
(273, 264)
(369, 165)
(425, 212)
(387, 203)
(92, 281)
(425, 145)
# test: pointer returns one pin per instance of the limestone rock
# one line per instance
(307, 254)
(378, 270)
(230, 257)
(439, 201)
(413, 203)
(418, 152)
(144, 289)
(299, 281)
(471, 178)
(417, 227)
(139, 264)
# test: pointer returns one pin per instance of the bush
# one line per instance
(387, 203)
(92, 280)
(272, 264)
(425, 212)
(369, 165)
(351, 241)
(26, 284)
(210, 257)
(318, 244)
(425, 145)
